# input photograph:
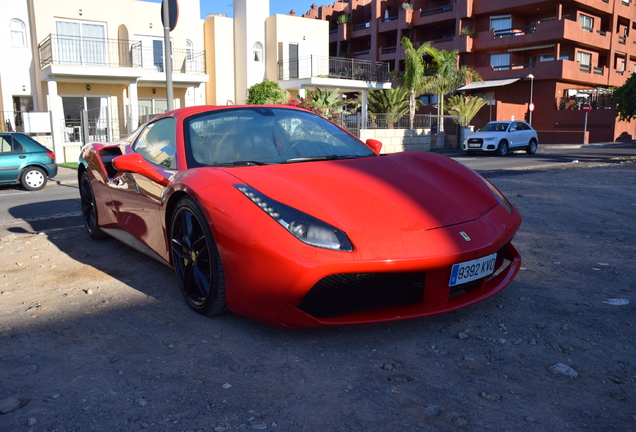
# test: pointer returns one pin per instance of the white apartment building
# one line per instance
(105, 62)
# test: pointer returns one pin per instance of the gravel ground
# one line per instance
(96, 337)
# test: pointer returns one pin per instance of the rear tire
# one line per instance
(502, 150)
(33, 178)
(89, 209)
(532, 147)
(196, 259)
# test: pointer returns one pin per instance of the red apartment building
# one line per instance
(557, 55)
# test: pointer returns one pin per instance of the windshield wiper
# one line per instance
(240, 163)
(328, 157)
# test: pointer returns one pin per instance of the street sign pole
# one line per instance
(586, 108)
(167, 53)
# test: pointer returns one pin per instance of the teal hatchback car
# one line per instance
(24, 160)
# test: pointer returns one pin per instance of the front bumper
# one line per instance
(297, 286)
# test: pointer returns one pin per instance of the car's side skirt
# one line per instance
(131, 241)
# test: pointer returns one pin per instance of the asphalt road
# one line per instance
(58, 205)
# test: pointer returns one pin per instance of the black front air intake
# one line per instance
(342, 294)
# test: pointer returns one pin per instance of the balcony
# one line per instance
(333, 67)
(490, 7)
(115, 53)
(437, 10)
(542, 33)
(562, 70)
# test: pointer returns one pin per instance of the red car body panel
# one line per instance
(403, 213)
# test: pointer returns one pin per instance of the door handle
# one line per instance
(22, 156)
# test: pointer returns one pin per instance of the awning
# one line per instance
(488, 84)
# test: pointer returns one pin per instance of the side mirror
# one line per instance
(135, 163)
(374, 145)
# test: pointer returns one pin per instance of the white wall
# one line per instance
(17, 76)
(249, 28)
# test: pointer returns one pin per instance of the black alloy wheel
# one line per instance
(89, 208)
(196, 260)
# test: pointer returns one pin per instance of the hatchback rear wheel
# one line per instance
(33, 178)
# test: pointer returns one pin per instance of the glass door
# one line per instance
(98, 118)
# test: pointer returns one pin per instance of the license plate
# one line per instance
(474, 145)
(472, 270)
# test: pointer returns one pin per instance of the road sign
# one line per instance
(531, 107)
(586, 107)
(173, 11)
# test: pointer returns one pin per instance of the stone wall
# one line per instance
(399, 140)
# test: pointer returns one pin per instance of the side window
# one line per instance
(513, 127)
(522, 126)
(158, 143)
(8, 144)
(5, 145)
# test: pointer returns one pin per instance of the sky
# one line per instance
(275, 6)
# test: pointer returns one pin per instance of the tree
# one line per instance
(394, 102)
(624, 100)
(445, 77)
(266, 93)
(328, 105)
(465, 107)
(412, 78)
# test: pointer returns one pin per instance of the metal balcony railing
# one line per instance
(333, 67)
(82, 51)
(436, 10)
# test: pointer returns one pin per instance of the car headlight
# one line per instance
(304, 227)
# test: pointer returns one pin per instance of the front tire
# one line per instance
(532, 147)
(89, 208)
(502, 150)
(33, 179)
(196, 260)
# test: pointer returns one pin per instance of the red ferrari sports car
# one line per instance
(283, 217)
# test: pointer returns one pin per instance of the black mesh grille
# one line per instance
(464, 288)
(342, 294)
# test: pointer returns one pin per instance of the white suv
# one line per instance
(502, 136)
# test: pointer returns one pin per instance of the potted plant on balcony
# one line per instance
(466, 31)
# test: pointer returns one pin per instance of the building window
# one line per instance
(546, 57)
(258, 52)
(429, 99)
(189, 49)
(500, 24)
(586, 22)
(500, 62)
(81, 43)
(565, 55)
(18, 33)
(584, 58)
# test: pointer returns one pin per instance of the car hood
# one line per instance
(410, 191)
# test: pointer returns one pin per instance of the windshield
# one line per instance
(265, 135)
(494, 127)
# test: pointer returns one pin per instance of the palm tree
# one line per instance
(412, 78)
(446, 77)
(394, 102)
(465, 107)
